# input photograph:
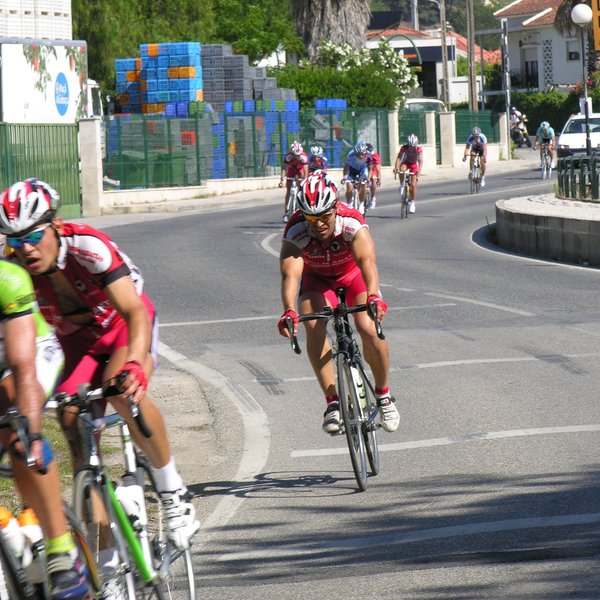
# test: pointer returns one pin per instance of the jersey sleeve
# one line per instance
(17, 296)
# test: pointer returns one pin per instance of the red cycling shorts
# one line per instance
(86, 358)
(412, 167)
(353, 282)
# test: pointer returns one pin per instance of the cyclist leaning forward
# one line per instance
(326, 245)
(410, 158)
(545, 135)
(477, 144)
(356, 168)
(295, 165)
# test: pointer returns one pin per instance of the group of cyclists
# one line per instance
(73, 311)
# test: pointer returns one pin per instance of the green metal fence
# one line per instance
(579, 178)
(486, 120)
(412, 122)
(48, 152)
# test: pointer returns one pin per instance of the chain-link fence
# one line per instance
(48, 152)
(486, 120)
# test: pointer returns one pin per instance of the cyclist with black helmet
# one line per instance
(477, 144)
(295, 165)
(356, 169)
(545, 135)
(317, 161)
(410, 158)
(326, 245)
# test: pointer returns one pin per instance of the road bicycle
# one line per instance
(405, 192)
(19, 582)
(355, 390)
(546, 158)
(355, 202)
(475, 173)
(129, 517)
(292, 203)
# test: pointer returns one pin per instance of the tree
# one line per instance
(339, 21)
(257, 28)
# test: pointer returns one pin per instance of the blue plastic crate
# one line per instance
(188, 84)
(190, 48)
(174, 61)
(228, 108)
(164, 48)
(121, 87)
(170, 109)
(143, 49)
(173, 96)
(121, 77)
(133, 86)
(163, 85)
(151, 85)
(149, 74)
(292, 105)
(187, 95)
(173, 84)
(182, 109)
(162, 73)
(135, 98)
(249, 106)
(162, 62)
(163, 96)
(149, 62)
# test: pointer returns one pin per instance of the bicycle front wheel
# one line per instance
(174, 566)
(99, 526)
(351, 415)
(369, 426)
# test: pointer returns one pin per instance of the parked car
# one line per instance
(572, 142)
(424, 105)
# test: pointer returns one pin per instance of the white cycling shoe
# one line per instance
(388, 413)
(182, 523)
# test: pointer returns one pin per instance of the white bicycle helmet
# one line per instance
(318, 194)
(26, 204)
(360, 148)
(412, 140)
(296, 148)
(476, 132)
(544, 125)
(316, 151)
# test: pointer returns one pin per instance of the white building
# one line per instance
(37, 19)
(540, 56)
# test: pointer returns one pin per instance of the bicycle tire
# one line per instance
(369, 429)
(367, 202)
(291, 203)
(404, 201)
(179, 580)
(350, 409)
(15, 580)
(98, 536)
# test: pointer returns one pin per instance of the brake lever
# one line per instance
(372, 306)
(289, 323)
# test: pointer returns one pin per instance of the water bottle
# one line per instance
(360, 386)
(11, 532)
(131, 496)
(34, 545)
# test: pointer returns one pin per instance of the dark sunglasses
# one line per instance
(33, 238)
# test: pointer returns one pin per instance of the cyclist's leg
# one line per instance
(288, 185)
(483, 163)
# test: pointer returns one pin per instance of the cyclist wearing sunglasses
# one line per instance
(327, 245)
(31, 361)
(356, 170)
(92, 294)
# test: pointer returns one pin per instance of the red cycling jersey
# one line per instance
(294, 165)
(410, 154)
(90, 261)
(374, 159)
(332, 258)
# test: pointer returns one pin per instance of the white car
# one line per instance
(424, 105)
(572, 142)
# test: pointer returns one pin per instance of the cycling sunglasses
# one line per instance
(33, 238)
(323, 217)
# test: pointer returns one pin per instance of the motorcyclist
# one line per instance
(519, 133)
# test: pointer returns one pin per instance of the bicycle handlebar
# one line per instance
(327, 313)
(85, 397)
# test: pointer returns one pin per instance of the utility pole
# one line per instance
(414, 11)
(506, 76)
(473, 104)
(445, 82)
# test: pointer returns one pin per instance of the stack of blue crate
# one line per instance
(219, 155)
(331, 105)
(292, 118)
(128, 85)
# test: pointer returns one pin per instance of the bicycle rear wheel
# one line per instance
(174, 566)
(14, 579)
(367, 202)
(404, 202)
(351, 415)
(93, 511)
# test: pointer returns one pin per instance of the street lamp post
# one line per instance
(441, 4)
(582, 15)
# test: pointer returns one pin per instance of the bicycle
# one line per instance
(475, 173)
(546, 158)
(292, 203)
(358, 182)
(135, 525)
(18, 582)
(405, 193)
(355, 390)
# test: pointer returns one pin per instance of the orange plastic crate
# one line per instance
(144, 85)
(188, 138)
(199, 95)
(152, 49)
(138, 64)
(187, 72)
(123, 99)
(131, 75)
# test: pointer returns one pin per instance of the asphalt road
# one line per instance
(491, 486)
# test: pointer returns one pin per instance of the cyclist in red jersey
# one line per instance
(326, 245)
(410, 158)
(92, 294)
(374, 166)
(295, 164)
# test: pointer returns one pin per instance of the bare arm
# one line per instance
(363, 250)
(291, 265)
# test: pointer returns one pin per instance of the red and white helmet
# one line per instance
(26, 204)
(296, 148)
(318, 194)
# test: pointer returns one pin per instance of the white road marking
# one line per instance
(267, 248)
(257, 436)
(409, 537)
(509, 309)
(455, 439)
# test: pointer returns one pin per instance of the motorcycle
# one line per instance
(519, 133)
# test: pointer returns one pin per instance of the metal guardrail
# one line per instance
(579, 178)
